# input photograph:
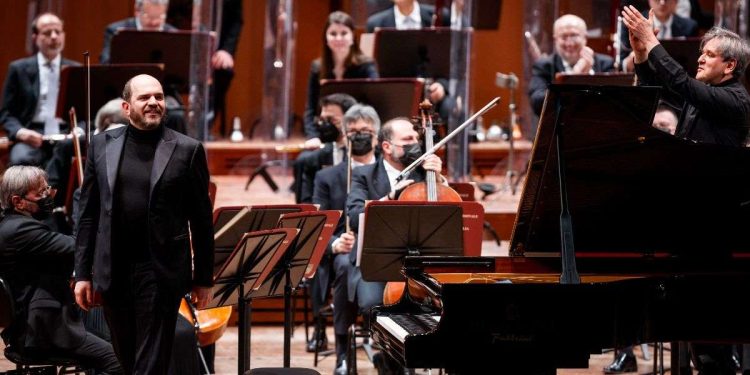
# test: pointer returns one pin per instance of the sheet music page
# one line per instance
(360, 236)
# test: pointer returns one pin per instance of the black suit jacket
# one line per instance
(21, 94)
(111, 30)
(308, 164)
(178, 201)
(231, 25)
(37, 264)
(386, 18)
(543, 74)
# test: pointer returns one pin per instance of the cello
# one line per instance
(428, 190)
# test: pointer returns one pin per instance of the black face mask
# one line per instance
(412, 152)
(361, 143)
(328, 131)
(45, 205)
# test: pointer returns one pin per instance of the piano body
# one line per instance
(624, 235)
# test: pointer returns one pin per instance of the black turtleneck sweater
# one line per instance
(131, 196)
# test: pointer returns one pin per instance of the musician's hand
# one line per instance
(84, 294)
(642, 33)
(437, 92)
(432, 163)
(393, 195)
(30, 137)
(200, 296)
(344, 244)
(585, 61)
(222, 60)
(312, 144)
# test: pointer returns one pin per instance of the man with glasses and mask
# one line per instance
(37, 264)
(571, 56)
(400, 147)
(361, 124)
(333, 151)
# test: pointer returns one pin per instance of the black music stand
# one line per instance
(414, 53)
(393, 231)
(391, 97)
(315, 230)
(246, 268)
(171, 48)
(107, 82)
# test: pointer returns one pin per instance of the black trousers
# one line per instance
(141, 319)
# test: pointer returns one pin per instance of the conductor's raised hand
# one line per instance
(642, 34)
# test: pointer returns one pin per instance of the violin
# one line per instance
(428, 190)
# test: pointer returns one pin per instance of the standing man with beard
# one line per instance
(400, 147)
(144, 198)
(361, 125)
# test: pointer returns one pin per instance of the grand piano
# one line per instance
(624, 235)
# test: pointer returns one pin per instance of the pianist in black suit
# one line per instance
(400, 146)
(361, 124)
(571, 56)
(716, 110)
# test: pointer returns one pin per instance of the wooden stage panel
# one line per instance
(228, 158)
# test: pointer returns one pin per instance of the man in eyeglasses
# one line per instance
(571, 56)
(37, 263)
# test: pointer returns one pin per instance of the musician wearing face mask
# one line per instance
(400, 147)
(361, 124)
(37, 264)
(328, 126)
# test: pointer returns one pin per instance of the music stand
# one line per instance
(267, 216)
(391, 97)
(394, 230)
(414, 53)
(315, 230)
(248, 265)
(171, 48)
(107, 82)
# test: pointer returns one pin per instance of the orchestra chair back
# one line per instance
(25, 364)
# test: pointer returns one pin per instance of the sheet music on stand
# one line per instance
(394, 230)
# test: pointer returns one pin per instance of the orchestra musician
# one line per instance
(144, 201)
(571, 56)
(30, 94)
(400, 147)
(331, 152)
(149, 15)
(37, 264)
(361, 125)
(341, 59)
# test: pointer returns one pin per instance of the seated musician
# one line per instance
(30, 94)
(571, 56)
(37, 263)
(328, 124)
(361, 124)
(149, 15)
(400, 147)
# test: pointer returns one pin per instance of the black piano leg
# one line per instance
(680, 358)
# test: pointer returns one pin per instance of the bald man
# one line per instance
(571, 56)
(143, 201)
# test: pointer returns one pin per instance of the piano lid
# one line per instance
(631, 187)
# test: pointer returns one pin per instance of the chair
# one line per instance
(27, 364)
